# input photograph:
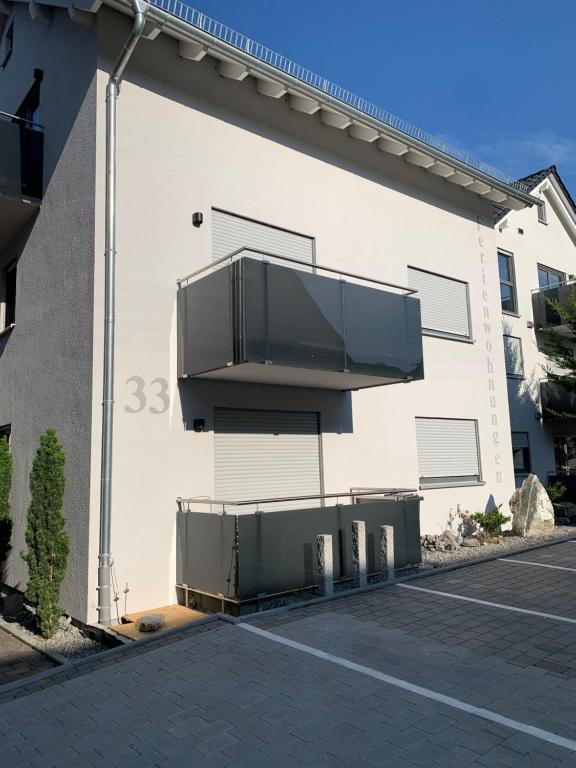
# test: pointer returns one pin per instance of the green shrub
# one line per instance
(5, 485)
(48, 542)
(491, 522)
(556, 491)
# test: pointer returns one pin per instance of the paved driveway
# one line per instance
(476, 667)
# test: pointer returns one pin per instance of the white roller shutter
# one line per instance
(513, 356)
(266, 454)
(447, 451)
(229, 233)
(443, 302)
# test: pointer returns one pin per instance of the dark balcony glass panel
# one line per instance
(556, 399)
(293, 317)
(544, 314)
(205, 323)
(379, 341)
(21, 159)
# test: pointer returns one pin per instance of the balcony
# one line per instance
(556, 399)
(231, 554)
(21, 173)
(247, 319)
(546, 316)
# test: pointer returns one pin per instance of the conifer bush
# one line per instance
(48, 542)
(5, 485)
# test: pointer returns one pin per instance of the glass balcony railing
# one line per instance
(556, 400)
(253, 320)
(545, 315)
(21, 158)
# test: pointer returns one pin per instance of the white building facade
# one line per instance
(218, 151)
(537, 261)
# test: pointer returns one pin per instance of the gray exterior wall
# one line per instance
(46, 362)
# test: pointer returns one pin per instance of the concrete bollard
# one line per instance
(387, 551)
(359, 553)
(324, 560)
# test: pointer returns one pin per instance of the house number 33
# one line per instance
(159, 389)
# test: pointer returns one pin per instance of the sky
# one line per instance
(492, 77)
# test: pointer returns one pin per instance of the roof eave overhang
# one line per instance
(361, 125)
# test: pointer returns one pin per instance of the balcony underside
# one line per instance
(283, 375)
(14, 214)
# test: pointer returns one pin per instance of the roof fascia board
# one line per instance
(555, 195)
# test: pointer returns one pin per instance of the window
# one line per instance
(542, 214)
(5, 431)
(9, 299)
(507, 282)
(7, 45)
(549, 278)
(448, 452)
(565, 454)
(513, 357)
(521, 453)
(444, 304)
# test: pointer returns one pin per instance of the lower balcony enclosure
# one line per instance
(255, 321)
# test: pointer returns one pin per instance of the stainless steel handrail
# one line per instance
(16, 119)
(187, 278)
(352, 493)
(254, 49)
(570, 281)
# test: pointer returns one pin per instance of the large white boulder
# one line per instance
(532, 509)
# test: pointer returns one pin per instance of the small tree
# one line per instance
(5, 485)
(48, 542)
(559, 351)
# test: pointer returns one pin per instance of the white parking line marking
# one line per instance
(539, 565)
(427, 693)
(552, 616)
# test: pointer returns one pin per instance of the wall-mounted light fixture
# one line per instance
(197, 219)
(199, 425)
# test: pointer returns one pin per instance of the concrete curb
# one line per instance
(398, 580)
(32, 642)
(73, 667)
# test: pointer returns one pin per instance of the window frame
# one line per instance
(469, 339)
(7, 43)
(542, 212)
(516, 376)
(510, 283)
(551, 271)
(8, 323)
(452, 481)
(527, 466)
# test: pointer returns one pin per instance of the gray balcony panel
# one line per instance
(262, 322)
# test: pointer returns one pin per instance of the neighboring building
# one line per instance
(537, 260)
(276, 160)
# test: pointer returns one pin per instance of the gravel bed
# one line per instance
(508, 543)
(69, 642)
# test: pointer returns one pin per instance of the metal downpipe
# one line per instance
(140, 9)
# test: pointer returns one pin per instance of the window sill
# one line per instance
(514, 377)
(447, 337)
(466, 484)
(7, 330)
(511, 314)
